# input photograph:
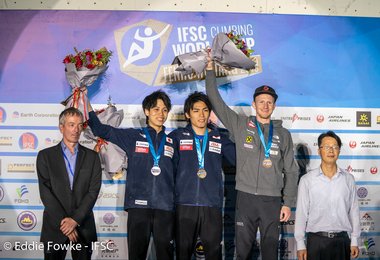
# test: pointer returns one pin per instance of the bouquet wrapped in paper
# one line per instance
(82, 69)
(227, 50)
(112, 157)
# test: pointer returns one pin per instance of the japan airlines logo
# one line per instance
(373, 170)
(140, 47)
(320, 118)
(352, 144)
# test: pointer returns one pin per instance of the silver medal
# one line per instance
(156, 170)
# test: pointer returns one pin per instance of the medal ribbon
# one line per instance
(261, 135)
(201, 153)
(156, 156)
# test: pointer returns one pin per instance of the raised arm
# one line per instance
(228, 117)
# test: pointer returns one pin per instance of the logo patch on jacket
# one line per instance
(142, 147)
(215, 147)
(168, 151)
(249, 139)
(216, 137)
(251, 124)
(141, 202)
(186, 145)
(169, 140)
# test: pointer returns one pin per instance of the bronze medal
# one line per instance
(267, 163)
(202, 173)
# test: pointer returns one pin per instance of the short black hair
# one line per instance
(195, 97)
(150, 101)
(329, 134)
(71, 111)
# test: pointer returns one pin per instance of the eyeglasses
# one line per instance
(328, 148)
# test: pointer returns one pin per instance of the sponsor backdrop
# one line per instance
(325, 70)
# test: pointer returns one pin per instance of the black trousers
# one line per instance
(252, 212)
(144, 222)
(194, 221)
(324, 248)
(57, 252)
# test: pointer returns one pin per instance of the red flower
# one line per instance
(67, 59)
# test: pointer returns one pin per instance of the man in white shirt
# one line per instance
(327, 208)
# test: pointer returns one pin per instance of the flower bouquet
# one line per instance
(228, 50)
(112, 157)
(82, 69)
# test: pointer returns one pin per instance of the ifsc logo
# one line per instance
(3, 115)
(28, 141)
(140, 47)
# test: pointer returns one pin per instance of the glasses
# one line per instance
(328, 148)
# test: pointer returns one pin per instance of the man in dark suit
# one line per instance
(69, 177)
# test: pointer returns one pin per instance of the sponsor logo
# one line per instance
(108, 218)
(363, 118)
(140, 47)
(338, 119)
(369, 243)
(1, 193)
(373, 170)
(367, 223)
(199, 250)
(15, 114)
(320, 118)
(3, 221)
(352, 144)
(369, 144)
(251, 124)
(352, 170)
(108, 195)
(28, 141)
(22, 191)
(296, 117)
(186, 145)
(142, 147)
(248, 139)
(378, 120)
(21, 167)
(179, 117)
(362, 192)
(5, 140)
(3, 115)
(169, 140)
(26, 220)
(290, 222)
(109, 251)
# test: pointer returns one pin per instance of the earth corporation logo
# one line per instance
(3, 115)
(26, 220)
(28, 141)
(140, 47)
(22, 191)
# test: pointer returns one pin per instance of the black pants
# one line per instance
(194, 221)
(252, 212)
(324, 248)
(56, 252)
(144, 222)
